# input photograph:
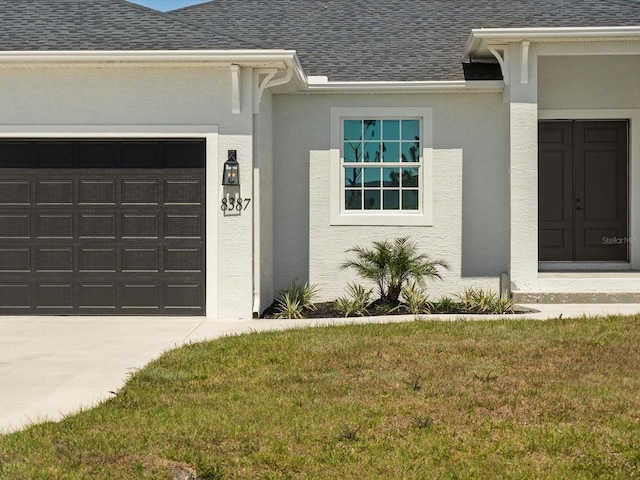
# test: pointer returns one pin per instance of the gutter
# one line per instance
(323, 85)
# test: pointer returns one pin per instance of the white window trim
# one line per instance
(424, 215)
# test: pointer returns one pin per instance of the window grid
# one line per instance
(381, 162)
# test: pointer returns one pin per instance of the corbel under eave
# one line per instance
(269, 81)
(235, 88)
(503, 60)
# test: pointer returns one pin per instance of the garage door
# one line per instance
(102, 227)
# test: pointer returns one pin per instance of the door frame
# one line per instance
(633, 213)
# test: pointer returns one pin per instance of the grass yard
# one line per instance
(423, 399)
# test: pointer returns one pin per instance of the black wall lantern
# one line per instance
(231, 172)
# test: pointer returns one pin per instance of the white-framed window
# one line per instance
(381, 166)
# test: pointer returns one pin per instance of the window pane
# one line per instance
(391, 200)
(372, 152)
(352, 177)
(352, 152)
(409, 177)
(410, 199)
(371, 177)
(391, 129)
(372, 199)
(372, 129)
(353, 129)
(353, 200)
(411, 130)
(410, 152)
(391, 152)
(391, 177)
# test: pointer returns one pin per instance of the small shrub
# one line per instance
(392, 264)
(415, 299)
(356, 302)
(445, 305)
(288, 307)
(292, 301)
(482, 301)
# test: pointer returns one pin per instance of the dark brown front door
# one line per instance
(582, 191)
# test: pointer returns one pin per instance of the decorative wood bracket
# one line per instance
(265, 78)
(235, 88)
(503, 59)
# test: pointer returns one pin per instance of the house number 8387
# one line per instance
(237, 204)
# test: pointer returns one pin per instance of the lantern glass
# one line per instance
(231, 172)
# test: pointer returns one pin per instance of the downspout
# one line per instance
(263, 79)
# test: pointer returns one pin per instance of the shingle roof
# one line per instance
(351, 40)
(101, 25)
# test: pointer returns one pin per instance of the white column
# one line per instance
(523, 174)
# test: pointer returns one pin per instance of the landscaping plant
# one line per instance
(356, 302)
(294, 300)
(391, 264)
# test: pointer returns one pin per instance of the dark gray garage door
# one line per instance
(102, 227)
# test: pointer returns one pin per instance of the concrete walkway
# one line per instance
(53, 366)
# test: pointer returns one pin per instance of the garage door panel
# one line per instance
(50, 225)
(183, 226)
(15, 259)
(124, 234)
(100, 259)
(141, 295)
(15, 226)
(15, 296)
(183, 295)
(54, 192)
(140, 226)
(57, 154)
(97, 192)
(54, 295)
(97, 226)
(183, 192)
(15, 192)
(54, 259)
(140, 192)
(183, 259)
(97, 295)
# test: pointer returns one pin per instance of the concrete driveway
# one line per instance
(53, 366)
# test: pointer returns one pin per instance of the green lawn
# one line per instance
(424, 399)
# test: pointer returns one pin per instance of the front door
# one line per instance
(583, 191)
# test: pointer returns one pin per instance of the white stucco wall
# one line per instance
(81, 100)
(470, 181)
(589, 82)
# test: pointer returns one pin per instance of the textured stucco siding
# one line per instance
(589, 82)
(120, 99)
(470, 200)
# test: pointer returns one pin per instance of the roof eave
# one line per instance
(480, 36)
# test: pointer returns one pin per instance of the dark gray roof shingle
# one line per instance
(101, 25)
(351, 40)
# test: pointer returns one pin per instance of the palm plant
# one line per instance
(390, 265)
